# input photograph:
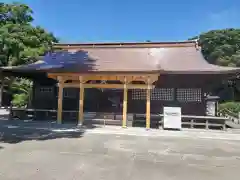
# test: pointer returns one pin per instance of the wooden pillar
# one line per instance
(81, 102)
(124, 122)
(148, 105)
(60, 100)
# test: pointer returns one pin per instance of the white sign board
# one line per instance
(211, 108)
(172, 117)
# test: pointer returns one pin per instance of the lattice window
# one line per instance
(70, 92)
(162, 94)
(138, 94)
(189, 95)
(45, 89)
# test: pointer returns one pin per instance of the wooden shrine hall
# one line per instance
(146, 76)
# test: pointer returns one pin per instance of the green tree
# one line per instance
(20, 41)
(221, 47)
(22, 91)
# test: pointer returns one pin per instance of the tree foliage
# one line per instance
(221, 47)
(233, 107)
(21, 42)
(21, 89)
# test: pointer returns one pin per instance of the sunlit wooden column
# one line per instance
(148, 104)
(60, 99)
(125, 91)
(81, 102)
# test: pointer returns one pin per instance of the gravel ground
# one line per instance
(114, 153)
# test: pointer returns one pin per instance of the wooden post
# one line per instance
(10, 112)
(148, 105)
(1, 90)
(206, 124)
(124, 122)
(191, 123)
(81, 102)
(60, 100)
(224, 126)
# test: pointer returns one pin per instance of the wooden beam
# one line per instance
(111, 86)
(107, 77)
(81, 102)
(148, 106)
(124, 122)
(60, 100)
(53, 76)
(103, 78)
(106, 74)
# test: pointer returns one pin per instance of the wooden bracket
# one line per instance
(107, 77)
(151, 79)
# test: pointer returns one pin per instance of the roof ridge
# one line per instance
(191, 43)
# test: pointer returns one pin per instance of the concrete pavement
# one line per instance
(116, 153)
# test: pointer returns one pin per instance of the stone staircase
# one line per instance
(234, 121)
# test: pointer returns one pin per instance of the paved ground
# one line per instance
(113, 153)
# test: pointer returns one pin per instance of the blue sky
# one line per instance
(132, 20)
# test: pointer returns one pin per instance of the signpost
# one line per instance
(172, 118)
(211, 108)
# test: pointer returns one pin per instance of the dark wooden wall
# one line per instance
(97, 100)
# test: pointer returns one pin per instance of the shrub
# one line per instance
(233, 107)
(20, 100)
(21, 89)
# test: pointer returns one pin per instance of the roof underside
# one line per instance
(173, 58)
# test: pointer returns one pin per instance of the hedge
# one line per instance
(233, 107)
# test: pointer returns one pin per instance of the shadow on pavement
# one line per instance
(16, 131)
